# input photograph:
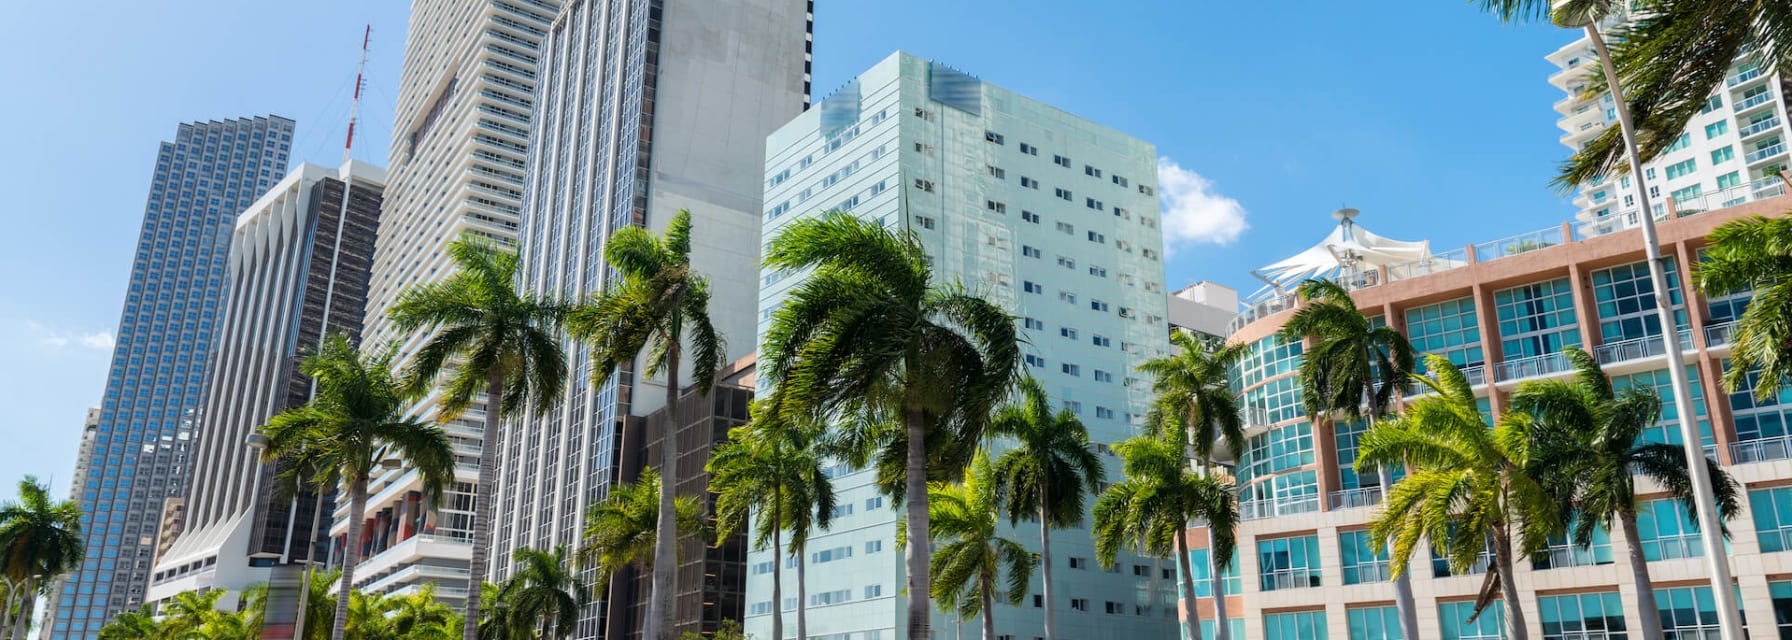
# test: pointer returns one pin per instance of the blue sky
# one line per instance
(1431, 118)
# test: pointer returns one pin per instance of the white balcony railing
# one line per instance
(1476, 375)
(1761, 450)
(1754, 101)
(1765, 153)
(1532, 367)
(1759, 127)
(1719, 334)
(1260, 509)
(1353, 498)
(1744, 77)
(1638, 348)
(1519, 244)
(1297, 578)
(1567, 555)
(1367, 573)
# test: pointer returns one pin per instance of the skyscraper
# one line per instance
(298, 268)
(462, 132)
(208, 174)
(1730, 153)
(1049, 215)
(645, 108)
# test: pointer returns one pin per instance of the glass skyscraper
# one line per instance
(129, 495)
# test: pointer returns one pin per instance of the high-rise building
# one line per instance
(1206, 308)
(1729, 154)
(645, 108)
(1049, 215)
(461, 135)
(298, 269)
(90, 428)
(1502, 311)
(207, 175)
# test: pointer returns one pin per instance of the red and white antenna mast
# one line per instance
(355, 106)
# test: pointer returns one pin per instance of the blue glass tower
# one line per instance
(129, 495)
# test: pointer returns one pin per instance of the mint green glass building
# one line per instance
(1050, 215)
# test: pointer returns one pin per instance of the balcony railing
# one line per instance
(1709, 201)
(1719, 334)
(1680, 546)
(1475, 374)
(1437, 263)
(1759, 127)
(1532, 367)
(1754, 100)
(1761, 450)
(1353, 498)
(1367, 573)
(1300, 578)
(1765, 153)
(1638, 348)
(1776, 540)
(1567, 555)
(1519, 244)
(1259, 509)
(1744, 77)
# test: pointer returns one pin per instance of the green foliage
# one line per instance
(192, 615)
(659, 303)
(1194, 384)
(970, 556)
(1148, 511)
(1755, 254)
(621, 530)
(1353, 368)
(546, 592)
(773, 468)
(728, 630)
(1052, 464)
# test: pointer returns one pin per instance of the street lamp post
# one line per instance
(1705, 502)
(259, 442)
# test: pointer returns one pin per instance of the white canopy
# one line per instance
(1349, 247)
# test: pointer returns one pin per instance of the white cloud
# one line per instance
(1193, 213)
(59, 339)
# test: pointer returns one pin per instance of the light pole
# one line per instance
(259, 443)
(1572, 14)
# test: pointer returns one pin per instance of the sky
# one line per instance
(1431, 118)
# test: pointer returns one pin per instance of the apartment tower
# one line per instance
(297, 271)
(456, 166)
(207, 175)
(1051, 216)
(645, 108)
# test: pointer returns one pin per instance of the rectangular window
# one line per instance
(1729, 180)
(1684, 141)
(1029, 182)
(1288, 563)
(1067, 332)
(1453, 618)
(1687, 612)
(1584, 616)
(997, 172)
(1104, 413)
(1097, 305)
(1029, 216)
(1030, 252)
(1094, 204)
(1682, 195)
(1625, 299)
(1079, 604)
(1067, 262)
(1065, 227)
(1374, 623)
(1364, 560)
(874, 591)
(1757, 419)
(1120, 181)
(998, 207)
(1067, 296)
(1090, 170)
(1099, 272)
(1035, 361)
(1536, 320)
(1716, 102)
(1033, 324)
(1061, 161)
(1667, 426)
(1063, 194)
(1201, 567)
(874, 546)
(1102, 341)
(1071, 369)
(1299, 625)
(1103, 376)
(1782, 606)
(993, 137)
(1448, 329)
(1773, 517)
(1723, 155)
(1716, 129)
(1098, 237)
(1029, 149)
(1683, 168)
(1079, 563)
(1032, 287)
(1667, 531)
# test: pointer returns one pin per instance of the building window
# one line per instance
(1536, 319)
(1773, 517)
(1374, 623)
(1453, 618)
(1031, 287)
(1098, 305)
(992, 136)
(1079, 604)
(874, 546)
(1071, 369)
(1667, 531)
(1440, 565)
(1299, 625)
(1563, 553)
(1288, 563)
(1585, 616)
(1103, 376)
(1067, 262)
(1201, 568)
(1033, 324)
(1667, 426)
(998, 207)
(1029, 149)
(1723, 155)
(1035, 361)
(1756, 419)
(1066, 228)
(1276, 450)
(1029, 182)
(1120, 181)
(1063, 194)
(924, 185)
(1067, 296)
(874, 503)
(1447, 329)
(1115, 608)
(1364, 560)
(1782, 606)
(1067, 332)
(1098, 237)
(1094, 204)
(1104, 413)
(1625, 298)
(874, 591)
(1102, 341)
(1687, 612)
(1099, 272)
(1030, 252)
(1061, 161)
(1029, 216)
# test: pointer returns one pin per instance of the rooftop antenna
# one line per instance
(354, 107)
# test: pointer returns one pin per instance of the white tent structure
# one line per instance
(1348, 254)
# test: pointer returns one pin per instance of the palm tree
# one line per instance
(971, 554)
(190, 610)
(1194, 384)
(1755, 254)
(135, 625)
(771, 469)
(1588, 440)
(354, 422)
(549, 594)
(40, 539)
(913, 367)
(1044, 477)
(320, 604)
(1353, 371)
(622, 530)
(1468, 488)
(1149, 511)
(659, 305)
(502, 343)
(497, 619)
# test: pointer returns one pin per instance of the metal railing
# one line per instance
(1375, 571)
(1761, 450)
(1475, 374)
(1765, 125)
(1719, 199)
(1437, 263)
(1353, 498)
(1765, 153)
(1753, 101)
(1567, 555)
(1260, 509)
(1519, 244)
(1532, 367)
(1680, 546)
(1719, 334)
(1638, 348)
(1743, 77)
(1297, 578)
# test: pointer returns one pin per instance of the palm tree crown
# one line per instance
(1755, 254)
(621, 530)
(1355, 366)
(971, 555)
(1194, 382)
(40, 538)
(549, 593)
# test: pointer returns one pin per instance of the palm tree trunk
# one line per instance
(778, 572)
(1403, 602)
(915, 487)
(802, 591)
(482, 500)
(1217, 584)
(21, 624)
(351, 554)
(1639, 571)
(989, 605)
(1193, 621)
(665, 543)
(1045, 557)
(299, 630)
(1515, 625)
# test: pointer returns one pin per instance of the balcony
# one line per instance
(1367, 573)
(1760, 127)
(1745, 76)
(1532, 367)
(1568, 555)
(1260, 509)
(1354, 498)
(1638, 348)
(1519, 244)
(1765, 189)
(1476, 375)
(1754, 101)
(1765, 153)
(1437, 263)
(1298, 578)
(1761, 450)
(1719, 334)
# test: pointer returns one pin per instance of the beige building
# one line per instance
(1502, 311)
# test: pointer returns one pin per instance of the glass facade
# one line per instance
(1374, 623)
(1453, 617)
(1364, 560)
(1687, 613)
(1758, 419)
(1234, 624)
(1773, 517)
(1447, 329)
(1667, 428)
(1625, 299)
(1586, 616)
(1268, 358)
(1288, 563)
(1299, 625)
(1667, 531)
(1536, 319)
(1782, 607)
(1202, 569)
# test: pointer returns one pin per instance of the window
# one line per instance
(1716, 129)
(1067, 332)
(998, 207)
(1063, 194)
(1099, 272)
(1029, 182)
(997, 172)
(1102, 341)
(1536, 320)
(1104, 413)
(1773, 517)
(1667, 531)
(1030, 252)
(1667, 426)
(1035, 361)
(1032, 287)
(1625, 299)
(1073, 406)
(1098, 305)
(1033, 324)
(830, 597)
(1067, 262)
(1453, 617)
(1065, 227)
(1364, 560)
(1079, 604)
(1029, 216)
(1729, 180)
(1061, 161)
(1682, 168)
(874, 591)
(1029, 149)
(830, 555)
(1585, 616)
(874, 503)
(1067, 296)
(1782, 606)
(1090, 170)
(1299, 625)
(1147, 190)
(1687, 612)
(1114, 608)
(1682, 195)
(1071, 369)
(1448, 329)
(1098, 237)
(1103, 376)
(1758, 419)
(1723, 155)
(923, 114)
(1288, 563)
(1094, 204)
(1374, 623)
(874, 546)
(924, 185)
(1684, 141)
(992, 136)
(1119, 180)
(1716, 102)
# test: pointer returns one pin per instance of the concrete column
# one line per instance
(1492, 352)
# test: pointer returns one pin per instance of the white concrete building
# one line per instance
(1204, 307)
